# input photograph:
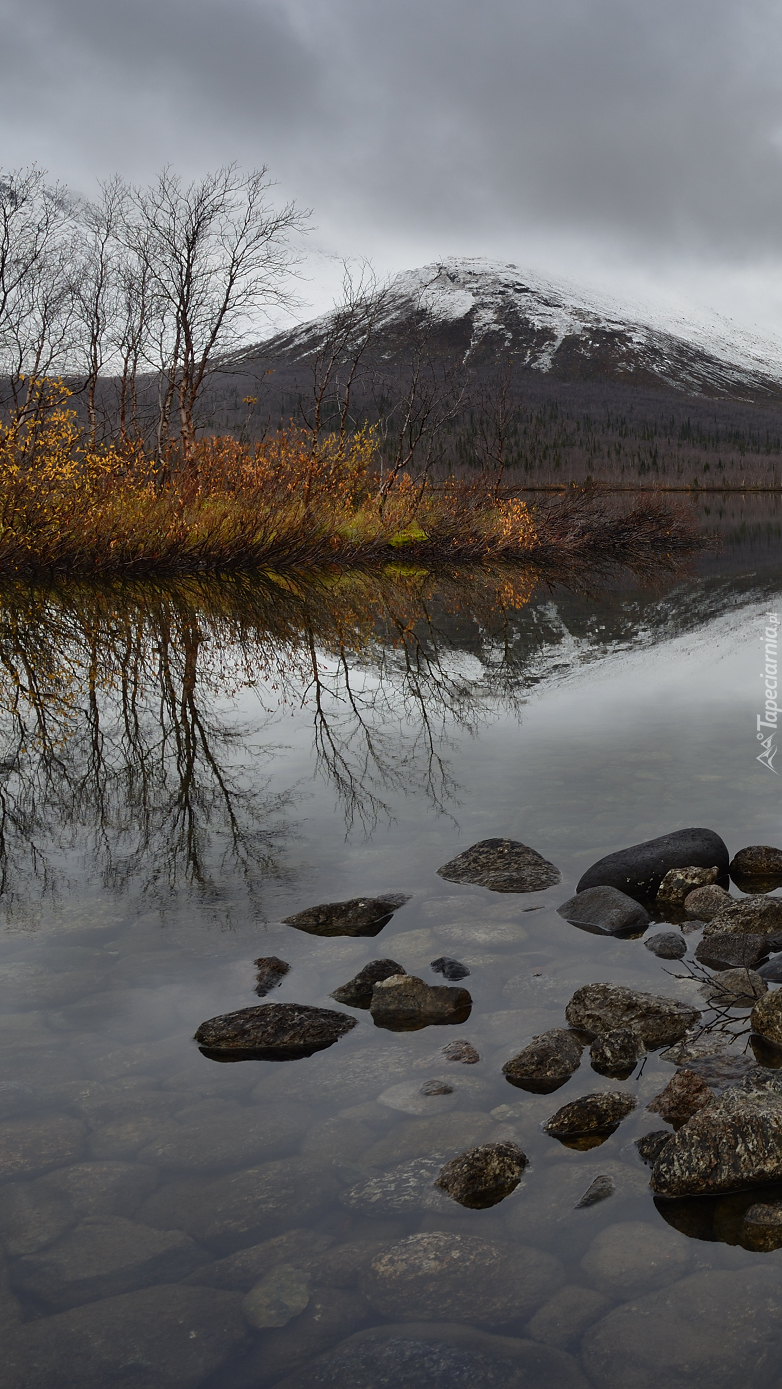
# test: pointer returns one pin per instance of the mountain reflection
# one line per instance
(122, 739)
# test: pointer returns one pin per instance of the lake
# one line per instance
(185, 765)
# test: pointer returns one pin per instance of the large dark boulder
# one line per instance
(273, 1032)
(640, 869)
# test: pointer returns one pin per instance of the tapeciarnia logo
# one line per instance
(769, 717)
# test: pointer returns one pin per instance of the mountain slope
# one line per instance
(483, 311)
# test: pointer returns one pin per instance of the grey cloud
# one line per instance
(657, 125)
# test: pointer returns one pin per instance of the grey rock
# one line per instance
(270, 972)
(757, 861)
(104, 1256)
(16, 1097)
(404, 1003)
(483, 1176)
(683, 1096)
(444, 1133)
(734, 988)
(32, 1145)
(598, 1008)
(759, 916)
(640, 869)
(546, 1063)
(604, 910)
(463, 1052)
(678, 883)
(731, 951)
(590, 1114)
(449, 968)
(650, 1145)
(440, 1356)
(713, 1328)
(360, 916)
(617, 1053)
(410, 1096)
(436, 1087)
(762, 1227)
(230, 1209)
(734, 1144)
(357, 993)
(766, 1018)
(502, 865)
(274, 1031)
(703, 903)
(123, 1138)
(431, 1277)
(100, 1188)
(721, 1070)
(598, 1190)
(408, 1187)
(771, 971)
(667, 945)
(567, 1315)
(633, 1257)
(166, 1337)
(300, 1248)
(31, 1219)
(330, 1315)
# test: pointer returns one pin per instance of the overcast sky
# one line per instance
(630, 144)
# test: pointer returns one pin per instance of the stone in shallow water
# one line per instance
(682, 1097)
(760, 916)
(436, 1087)
(678, 883)
(757, 861)
(502, 865)
(640, 869)
(617, 1053)
(667, 945)
(439, 1356)
(546, 1062)
(360, 916)
(734, 988)
(721, 1070)
(598, 1008)
(30, 1219)
(404, 1003)
(104, 1256)
(410, 1097)
(766, 1018)
(731, 951)
(771, 971)
(705, 902)
(220, 1134)
(463, 1052)
(598, 1190)
(605, 909)
(298, 1247)
(762, 1227)
(733, 1144)
(16, 1097)
(567, 1314)
(278, 1298)
(330, 1315)
(443, 1276)
(408, 1187)
(166, 1337)
(483, 1176)
(30, 1146)
(650, 1145)
(710, 1329)
(274, 1031)
(450, 969)
(357, 993)
(633, 1257)
(270, 972)
(590, 1114)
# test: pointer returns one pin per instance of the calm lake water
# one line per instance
(182, 767)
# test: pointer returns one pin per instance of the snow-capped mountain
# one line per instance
(486, 310)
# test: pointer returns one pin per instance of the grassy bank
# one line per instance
(285, 503)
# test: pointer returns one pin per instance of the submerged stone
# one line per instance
(404, 1003)
(270, 973)
(502, 865)
(273, 1031)
(278, 1298)
(598, 1190)
(599, 1008)
(450, 969)
(546, 1063)
(605, 909)
(771, 971)
(360, 916)
(667, 945)
(357, 993)
(640, 869)
(590, 1114)
(483, 1176)
(731, 951)
(409, 1186)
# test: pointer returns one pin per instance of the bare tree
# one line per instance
(215, 253)
(341, 357)
(98, 287)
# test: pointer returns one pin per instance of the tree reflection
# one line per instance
(120, 731)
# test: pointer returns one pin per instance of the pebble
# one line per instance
(270, 972)
(464, 1052)
(757, 861)
(731, 951)
(705, 902)
(650, 1145)
(734, 988)
(617, 1053)
(751, 916)
(410, 1097)
(598, 1008)
(598, 1190)
(678, 883)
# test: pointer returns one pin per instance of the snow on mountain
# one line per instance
(486, 309)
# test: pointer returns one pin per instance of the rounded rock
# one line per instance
(501, 865)
(604, 909)
(274, 1031)
(590, 1114)
(640, 869)
(546, 1063)
(483, 1176)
